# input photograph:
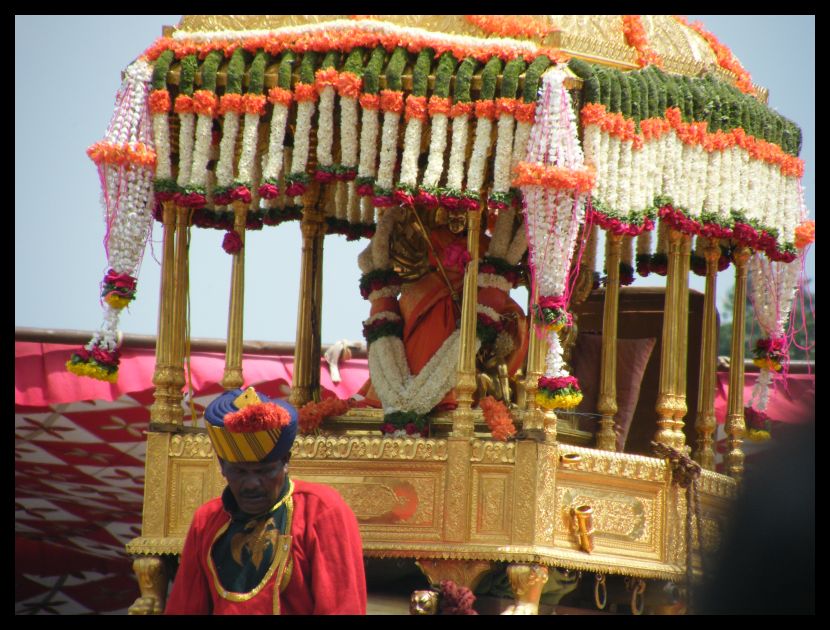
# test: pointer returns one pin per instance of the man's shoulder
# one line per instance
(318, 494)
(208, 510)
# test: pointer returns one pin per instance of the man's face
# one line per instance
(254, 485)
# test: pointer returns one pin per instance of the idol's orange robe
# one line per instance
(430, 316)
(326, 562)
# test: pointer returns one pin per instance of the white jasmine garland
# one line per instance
(411, 151)
(383, 315)
(201, 151)
(624, 178)
(627, 251)
(591, 144)
(489, 312)
(520, 140)
(518, 246)
(227, 149)
(299, 158)
(458, 152)
(502, 233)
(341, 208)
(602, 165)
(481, 147)
(437, 147)
(352, 202)
(380, 241)
(325, 127)
(365, 260)
(494, 280)
(274, 160)
(368, 143)
(644, 243)
(250, 135)
(161, 136)
(128, 189)
(385, 292)
(553, 216)
(388, 150)
(637, 174)
(713, 183)
(348, 131)
(367, 211)
(614, 173)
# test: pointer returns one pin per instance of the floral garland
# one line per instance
(305, 94)
(392, 104)
(438, 108)
(513, 25)
(253, 107)
(312, 414)
(726, 59)
(772, 288)
(555, 186)
(502, 195)
(397, 388)
(280, 97)
(126, 163)
(370, 103)
(635, 36)
(452, 196)
(344, 34)
(205, 105)
(404, 424)
(325, 82)
(416, 114)
(498, 419)
(560, 392)
(720, 152)
(485, 112)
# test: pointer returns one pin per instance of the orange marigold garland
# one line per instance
(257, 417)
(497, 418)
(312, 414)
(726, 59)
(805, 234)
(635, 36)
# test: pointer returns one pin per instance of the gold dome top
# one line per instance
(594, 38)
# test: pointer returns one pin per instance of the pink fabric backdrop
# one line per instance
(40, 376)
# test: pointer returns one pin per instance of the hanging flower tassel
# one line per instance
(348, 87)
(416, 114)
(556, 186)
(498, 419)
(126, 163)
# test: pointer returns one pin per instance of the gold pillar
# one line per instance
(607, 400)
(735, 425)
(462, 420)
(667, 396)
(232, 377)
(683, 252)
(163, 411)
(305, 361)
(705, 423)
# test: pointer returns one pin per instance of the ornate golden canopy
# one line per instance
(594, 38)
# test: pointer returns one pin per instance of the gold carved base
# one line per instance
(152, 580)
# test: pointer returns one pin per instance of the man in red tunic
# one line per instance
(269, 544)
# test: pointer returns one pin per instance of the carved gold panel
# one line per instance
(492, 491)
(628, 517)
(392, 502)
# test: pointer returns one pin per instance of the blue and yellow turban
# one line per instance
(250, 427)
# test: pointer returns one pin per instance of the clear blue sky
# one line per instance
(67, 71)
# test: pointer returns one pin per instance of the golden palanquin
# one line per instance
(456, 501)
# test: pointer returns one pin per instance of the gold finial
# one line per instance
(248, 397)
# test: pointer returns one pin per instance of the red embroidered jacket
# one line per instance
(327, 576)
